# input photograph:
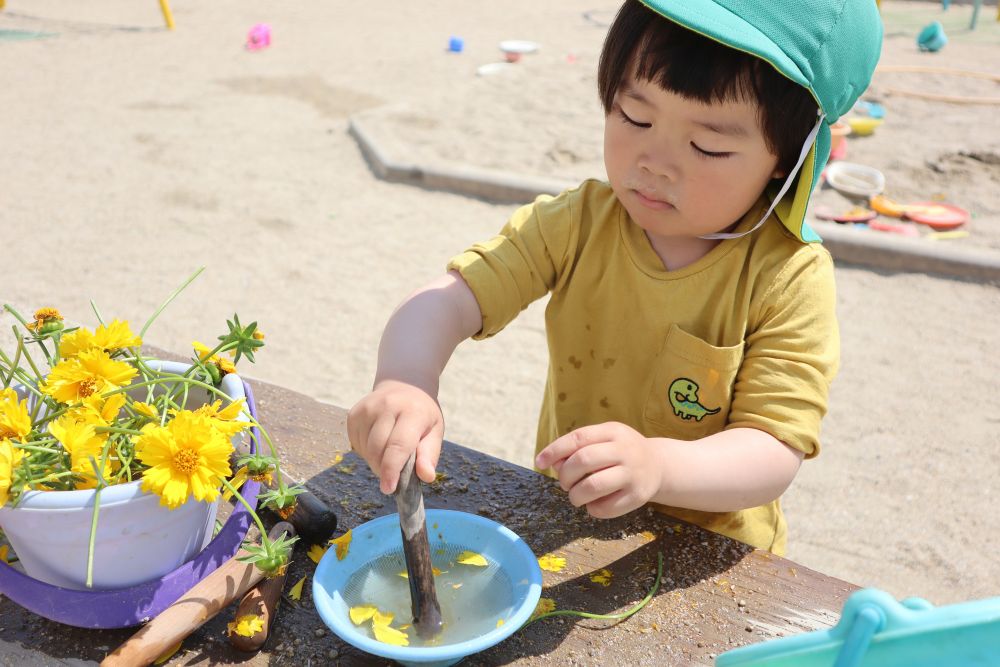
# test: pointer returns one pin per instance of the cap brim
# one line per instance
(792, 210)
(721, 25)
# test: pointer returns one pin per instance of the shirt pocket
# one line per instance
(692, 386)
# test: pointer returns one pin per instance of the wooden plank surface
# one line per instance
(716, 593)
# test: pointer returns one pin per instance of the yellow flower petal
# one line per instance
(552, 563)
(389, 635)
(362, 613)
(602, 577)
(295, 592)
(115, 336)
(343, 544)
(337, 458)
(499, 622)
(4, 550)
(436, 572)
(146, 409)
(471, 558)
(381, 618)
(169, 653)
(247, 625)
(316, 552)
(237, 481)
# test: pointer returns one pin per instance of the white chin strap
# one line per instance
(784, 188)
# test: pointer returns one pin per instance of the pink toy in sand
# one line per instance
(259, 37)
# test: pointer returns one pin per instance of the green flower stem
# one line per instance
(52, 415)
(12, 365)
(97, 313)
(166, 303)
(610, 617)
(115, 429)
(260, 525)
(93, 533)
(27, 355)
(33, 448)
(25, 379)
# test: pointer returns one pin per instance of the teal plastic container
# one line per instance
(877, 631)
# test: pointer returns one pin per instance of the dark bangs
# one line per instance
(653, 48)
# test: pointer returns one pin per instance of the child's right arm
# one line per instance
(401, 414)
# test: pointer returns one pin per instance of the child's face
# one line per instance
(683, 168)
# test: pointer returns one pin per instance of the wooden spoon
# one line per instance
(417, 551)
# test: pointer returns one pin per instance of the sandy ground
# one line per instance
(131, 156)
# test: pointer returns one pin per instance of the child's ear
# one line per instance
(779, 173)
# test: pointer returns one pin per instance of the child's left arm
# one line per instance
(613, 469)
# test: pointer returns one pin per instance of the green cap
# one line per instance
(830, 47)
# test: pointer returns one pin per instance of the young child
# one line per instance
(691, 322)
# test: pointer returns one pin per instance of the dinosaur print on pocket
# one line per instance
(683, 395)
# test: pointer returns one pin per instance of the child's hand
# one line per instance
(388, 424)
(611, 468)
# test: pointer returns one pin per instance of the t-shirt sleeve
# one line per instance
(523, 262)
(792, 354)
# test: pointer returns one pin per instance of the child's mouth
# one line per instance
(652, 202)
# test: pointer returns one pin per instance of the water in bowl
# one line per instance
(474, 600)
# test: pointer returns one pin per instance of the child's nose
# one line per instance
(659, 164)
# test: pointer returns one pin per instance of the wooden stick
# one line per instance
(208, 597)
(261, 600)
(417, 551)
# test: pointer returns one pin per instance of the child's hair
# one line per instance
(653, 48)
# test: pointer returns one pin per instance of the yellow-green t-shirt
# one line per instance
(747, 334)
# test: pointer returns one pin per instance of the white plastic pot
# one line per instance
(137, 538)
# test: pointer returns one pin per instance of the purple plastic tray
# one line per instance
(137, 604)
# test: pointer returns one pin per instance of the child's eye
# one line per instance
(710, 154)
(634, 123)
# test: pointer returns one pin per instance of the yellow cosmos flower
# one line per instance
(92, 372)
(187, 457)
(9, 458)
(108, 337)
(15, 421)
(115, 336)
(224, 419)
(247, 625)
(75, 342)
(82, 442)
(97, 410)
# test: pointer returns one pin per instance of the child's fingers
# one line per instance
(614, 505)
(564, 446)
(596, 486)
(400, 442)
(372, 444)
(428, 452)
(587, 461)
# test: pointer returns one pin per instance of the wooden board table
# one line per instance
(716, 593)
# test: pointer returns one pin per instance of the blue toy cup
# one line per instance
(455, 44)
(932, 37)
